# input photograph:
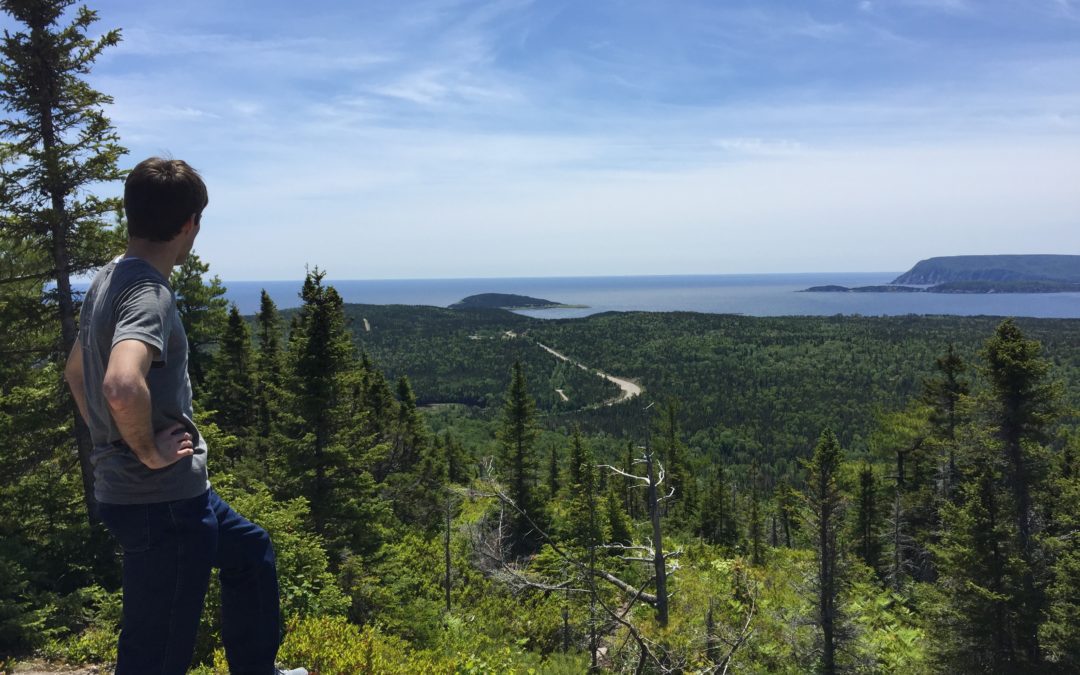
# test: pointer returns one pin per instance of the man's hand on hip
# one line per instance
(171, 445)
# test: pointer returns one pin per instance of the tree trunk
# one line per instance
(61, 259)
(827, 596)
(658, 544)
(446, 553)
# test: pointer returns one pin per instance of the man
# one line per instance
(128, 374)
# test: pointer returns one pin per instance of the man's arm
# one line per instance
(73, 374)
(128, 398)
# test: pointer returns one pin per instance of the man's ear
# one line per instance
(188, 226)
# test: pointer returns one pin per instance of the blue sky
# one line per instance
(513, 138)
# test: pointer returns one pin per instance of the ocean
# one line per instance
(750, 294)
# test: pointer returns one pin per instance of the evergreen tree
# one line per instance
(943, 394)
(43, 525)
(231, 384)
(202, 308)
(517, 436)
(945, 390)
(270, 361)
(456, 461)
(716, 522)
(577, 459)
(378, 399)
(1025, 401)
(1058, 635)
(823, 515)
(671, 453)
(553, 472)
(634, 499)
(787, 508)
(270, 397)
(754, 529)
(327, 462)
(867, 523)
(410, 438)
(57, 145)
(980, 577)
(618, 523)
(584, 531)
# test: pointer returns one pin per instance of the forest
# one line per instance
(786, 495)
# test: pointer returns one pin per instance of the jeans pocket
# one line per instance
(129, 524)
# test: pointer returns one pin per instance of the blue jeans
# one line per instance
(169, 549)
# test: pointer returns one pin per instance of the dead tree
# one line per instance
(490, 544)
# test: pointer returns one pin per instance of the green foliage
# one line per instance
(101, 613)
(716, 521)
(361, 475)
(307, 585)
(1058, 634)
(867, 526)
(399, 588)
(823, 513)
(332, 645)
(56, 146)
(461, 356)
(232, 382)
(202, 307)
(332, 450)
(58, 141)
(517, 436)
(980, 570)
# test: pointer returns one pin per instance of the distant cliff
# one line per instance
(996, 268)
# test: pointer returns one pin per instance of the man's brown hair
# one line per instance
(160, 195)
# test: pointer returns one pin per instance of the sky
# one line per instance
(447, 138)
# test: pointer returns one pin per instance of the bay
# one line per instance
(750, 294)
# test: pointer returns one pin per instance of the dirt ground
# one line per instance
(43, 668)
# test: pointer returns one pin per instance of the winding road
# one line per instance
(629, 389)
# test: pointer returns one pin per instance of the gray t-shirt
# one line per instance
(129, 299)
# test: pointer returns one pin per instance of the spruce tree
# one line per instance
(517, 435)
(324, 461)
(671, 453)
(456, 461)
(410, 439)
(980, 577)
(553, 472)
(787, 508)
(43, 525)
(867, 522)
(823, 515)
(1024, 403)
(203, 310)
(618, 523)
(57, 146)
(634, 497)
(716, 523)
(582, 495)
(944, 391)
(270, 396)
(754, 528)
(1058, 635)
(231, 384)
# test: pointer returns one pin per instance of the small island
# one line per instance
(509, 301)
(980, 274)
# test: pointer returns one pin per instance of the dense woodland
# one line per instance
(843, 494)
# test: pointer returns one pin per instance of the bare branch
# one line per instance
(606, 576)
(644, 479)
(626, 547)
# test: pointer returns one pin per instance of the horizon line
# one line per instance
(566, 276)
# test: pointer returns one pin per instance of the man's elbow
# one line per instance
(73, 374)
(122, 392)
